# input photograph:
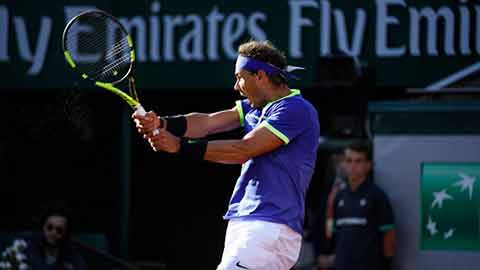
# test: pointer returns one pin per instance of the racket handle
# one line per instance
(140, 110)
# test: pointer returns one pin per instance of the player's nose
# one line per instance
(236, 87)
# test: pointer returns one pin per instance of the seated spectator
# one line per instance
(50, 248)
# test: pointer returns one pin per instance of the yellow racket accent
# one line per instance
(132, 56)
(108, 86)
(69, 59)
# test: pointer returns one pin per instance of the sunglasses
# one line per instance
(58, 229)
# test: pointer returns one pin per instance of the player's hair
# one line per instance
(361, 146)
(265, 51)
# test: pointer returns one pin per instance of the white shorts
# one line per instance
(259, 245)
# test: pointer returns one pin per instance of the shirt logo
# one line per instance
(352, 221)
(340, 203)
(240, 266)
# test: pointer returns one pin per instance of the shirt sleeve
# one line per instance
(242, 107)
(386, 220)
(287, 120)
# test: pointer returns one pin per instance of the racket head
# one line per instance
(98, 47)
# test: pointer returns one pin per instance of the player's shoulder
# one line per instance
(295, 103)
(245, 103)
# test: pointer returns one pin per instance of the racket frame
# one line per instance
(110, 86)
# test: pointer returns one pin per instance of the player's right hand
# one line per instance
(146, 124)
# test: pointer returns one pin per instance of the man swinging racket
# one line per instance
(277, 153)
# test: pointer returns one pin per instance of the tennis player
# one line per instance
(277, 153)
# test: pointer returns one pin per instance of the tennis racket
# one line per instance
(100, 50)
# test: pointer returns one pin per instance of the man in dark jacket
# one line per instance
(51, 248)
(363, 218)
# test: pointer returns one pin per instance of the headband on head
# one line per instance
(253, 65)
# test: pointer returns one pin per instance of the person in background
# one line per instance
(363, 221)
(51, 249)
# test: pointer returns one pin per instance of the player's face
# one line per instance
(55, 229)
(356, 165)
(246, 85)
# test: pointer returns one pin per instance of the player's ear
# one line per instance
(261, 75)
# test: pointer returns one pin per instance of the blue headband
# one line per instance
(254, 65)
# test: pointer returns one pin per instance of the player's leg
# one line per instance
(259, 245)
(287, 249)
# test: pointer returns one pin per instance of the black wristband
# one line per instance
(162, 122)
(177, 125)
(192, 149)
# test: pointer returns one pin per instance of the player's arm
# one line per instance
(193, 125)
(387, 227)
(257, 142)
(281, 126)
(389, 243)
(200, 125)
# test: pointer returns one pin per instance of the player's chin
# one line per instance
(254, 103)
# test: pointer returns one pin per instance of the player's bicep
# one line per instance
(201, 124)
(223, 121)
(261, 141)
(257, 142)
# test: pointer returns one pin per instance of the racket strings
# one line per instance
(99, 47)
(96, 40)
(109, 69)
(99, 26)
(94, 43)
(114, 60)
(119, 47)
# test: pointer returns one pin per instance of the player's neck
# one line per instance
(355, 182)
(276, 93)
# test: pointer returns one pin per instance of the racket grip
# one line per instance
(140, 110)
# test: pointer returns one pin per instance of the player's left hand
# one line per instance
(146, 124)
(164, 141)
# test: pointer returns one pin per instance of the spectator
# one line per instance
(51, 248)
(363, 219)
